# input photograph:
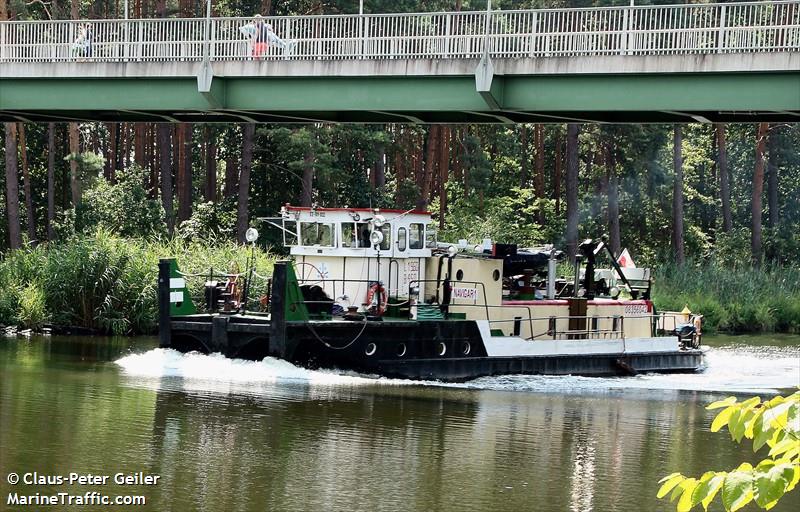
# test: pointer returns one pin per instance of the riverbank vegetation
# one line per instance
(713, 207)
(104, 283)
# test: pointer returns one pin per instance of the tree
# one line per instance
(242, 217)
(572, 189)
(677, 195)
(164, 135)
(758, 191)
(12, 186)
(722, 168)
(26, 183)
(775, 424)
(51, 185)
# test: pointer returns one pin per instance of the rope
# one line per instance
(347, 345)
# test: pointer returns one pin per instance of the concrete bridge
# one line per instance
(710, 62)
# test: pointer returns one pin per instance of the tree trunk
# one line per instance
(138, 145)
(12, 187)
(613, 203)
(773, 149)
(444, 172)
(119, 138)
(538, 181)
(184, 172)
(758, 190)
(424, 181)
(558, 172)
(242, 215)
(379, 171)
(26, 183)
(231, 169)
(677, 195)
(111, 152)
(211, 165)
(307, 194)
(523, 160)
(572, 189)
(165, 152)
(724, 177)
(51, 182)
(74, 149)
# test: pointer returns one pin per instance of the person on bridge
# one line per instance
(261, 36)
(83, 43)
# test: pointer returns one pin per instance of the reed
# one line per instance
(733, 298)
(104, 282)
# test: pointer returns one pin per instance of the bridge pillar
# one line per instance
(490, 89)
(212, 91)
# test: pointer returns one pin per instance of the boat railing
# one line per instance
(335, 297)
(246, 289)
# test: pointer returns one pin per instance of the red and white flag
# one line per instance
(625, 260)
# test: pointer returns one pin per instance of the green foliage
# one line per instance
(733, 297)
(210, 222)
(122, 207)
(506, 219)
(105, 282)
(32, 308)
(774, 424)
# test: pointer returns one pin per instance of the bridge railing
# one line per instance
(768, 26)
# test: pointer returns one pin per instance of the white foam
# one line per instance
(731, 369)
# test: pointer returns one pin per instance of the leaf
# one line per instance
(722, 419)
(688, 486)
(707, 488)
(770, 485)
(722, 403)
(775, 415)
(762, 434)
(753, 423)
(738, 430)
(793, 482)
(737, 490)
(787, 444)
(669, 483)
(733, 422)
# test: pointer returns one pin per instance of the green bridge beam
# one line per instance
(731, 96)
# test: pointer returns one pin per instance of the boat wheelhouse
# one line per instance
(374, 291)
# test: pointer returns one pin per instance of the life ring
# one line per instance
(383, 299)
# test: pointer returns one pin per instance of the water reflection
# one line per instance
(268, 437)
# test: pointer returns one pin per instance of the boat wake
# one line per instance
(743, 369)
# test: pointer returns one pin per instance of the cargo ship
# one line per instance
(373, 291)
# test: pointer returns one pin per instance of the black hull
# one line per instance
(403, 349)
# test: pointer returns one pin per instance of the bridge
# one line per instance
(731, 62)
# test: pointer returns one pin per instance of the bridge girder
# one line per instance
(616, 98)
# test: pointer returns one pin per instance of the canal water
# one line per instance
(232, 435)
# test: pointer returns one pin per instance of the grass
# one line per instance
(733, 299)
(104, 282)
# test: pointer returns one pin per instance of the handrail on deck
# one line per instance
(767, 26)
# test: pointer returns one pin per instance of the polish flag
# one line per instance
(625, 260)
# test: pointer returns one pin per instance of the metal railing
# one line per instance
(769, 26)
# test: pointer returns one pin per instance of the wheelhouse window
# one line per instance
(402, 235)
(416, 236)
(355, 234)
(289, 233)
(430, 237)
(386, 229)
(316, 233)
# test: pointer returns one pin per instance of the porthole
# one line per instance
(496, 275)
(466, 348)
(401, 349)
(442, 349)
(370, 349)
(459, 275)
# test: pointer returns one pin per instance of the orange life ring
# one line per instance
(383, 298)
